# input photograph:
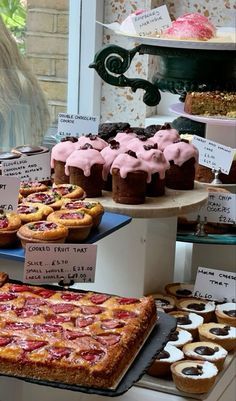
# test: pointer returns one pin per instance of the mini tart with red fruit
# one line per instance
(79, 224)
(93, 208)
(69, 191)
(42, 231)
(49, 198)
(29, 212)
(30, 187)
(10, 222)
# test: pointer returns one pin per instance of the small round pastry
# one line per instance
(206, 351)
(29, 212)
(166, 302)
(180, 290)
(92, 139)
(162, 363)
(69, 191)
(49, 198)
(59, 154)
(79, 224)
(180, 337)
(42, 231)
(188, 321)
(10, 222)
(226, 313)
(30, 187)
(94, 208)
(29, 150)
(202, 307)
(194, 377)
(219, 333)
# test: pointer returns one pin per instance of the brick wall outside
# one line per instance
(47, 49)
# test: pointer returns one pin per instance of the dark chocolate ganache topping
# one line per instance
(184, 292)
(182, 320)
(193, 371)
(220, 331)
(131, 153)
(230, 313)
(86, 146)
(174, 336)
(197, 306)
(165, 126)
(149, 146)
(114, 144)
(205, 350)
(163, 355)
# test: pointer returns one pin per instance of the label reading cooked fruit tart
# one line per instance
(52, 263)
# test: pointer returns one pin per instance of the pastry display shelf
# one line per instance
(218, 129)
(215, 239)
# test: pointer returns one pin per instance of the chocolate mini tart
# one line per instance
(162, 363)
(206, 351)
(188, 321)
(226, 313)
(200, 306)
(164, 301)
(180, 290)
(219, 333)
(180, 337)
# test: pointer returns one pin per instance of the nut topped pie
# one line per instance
(82, 338)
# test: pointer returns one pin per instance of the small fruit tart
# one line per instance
(10, 222)
(49, 198)
(30, 187)
(69, 191)
(29, 212)
(79, 224)
(93, 208)
(42, 231)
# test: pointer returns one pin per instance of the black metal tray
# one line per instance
(155, 343)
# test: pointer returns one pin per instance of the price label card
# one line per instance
(9, 191)
(218, 285)
(30, 168)
(75, 125)
(213, 154)
(55, 262)
(220, 208)
(153, 21)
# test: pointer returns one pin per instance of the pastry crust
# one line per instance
(79, 224)
(30, 187)
(94, 208)
(206, 351)
(69, 191)
(219, 333)
(42, 231)
(9, 224)
(82, 338)
(48, 198)
(29, 212)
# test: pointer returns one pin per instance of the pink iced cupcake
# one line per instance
(165, 136)
(92, 139)
(124, 137)
(109, 154)
(59, 153)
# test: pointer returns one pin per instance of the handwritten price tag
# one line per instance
(33, 168)
(214, 284)
(155, 20)
(9, 191)
(213, 154)
(220, 208)
(76, 124)
(55, 262)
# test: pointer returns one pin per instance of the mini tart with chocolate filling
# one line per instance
(69, 191)
(199, 306)
(30, 187)
(49, 198)
(180, 290)
(188, 321)
(42, 231)
(219, 333)
(162, 363)
(79, 224)
(194, 377)
(226, 313)
(180, 337)
(29, 212)
(206, 351)
(93, 208)
(165, 302)
(10, 222)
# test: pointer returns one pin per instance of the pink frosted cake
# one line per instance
(165, 136)
(183, 157)
(109, 154)
(84, 168)
(192, 26)
(92, 139)
(125, 137)
(139, 144)
(59, 154)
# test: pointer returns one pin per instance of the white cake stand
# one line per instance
(221, 130)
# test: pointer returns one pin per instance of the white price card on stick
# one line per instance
(219, 208)
(52, 263)
(214, 155)
(218, 285)
(9, 192)
(151, 21)
(76, 124)
(29, 168)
